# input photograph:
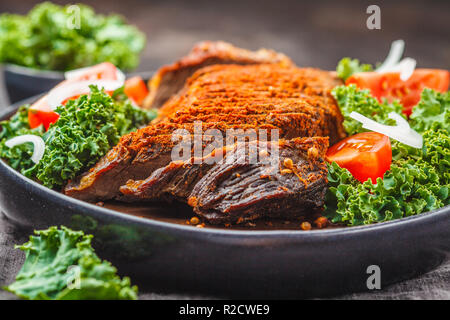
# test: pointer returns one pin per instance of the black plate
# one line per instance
(170, 257)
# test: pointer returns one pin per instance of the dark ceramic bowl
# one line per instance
(169, 257)
(22, 82)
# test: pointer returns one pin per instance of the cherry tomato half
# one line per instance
(390, 86)
(104, 70)
(366, 155)
(40, 113)
(136, 89)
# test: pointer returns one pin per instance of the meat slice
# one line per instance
(170, 79)
(240, 188)
(102, 182)
(136, 157)
(290, 101)
(263, 88)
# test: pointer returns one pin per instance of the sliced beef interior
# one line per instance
(171, 79)
(239, 188)
(135, 157)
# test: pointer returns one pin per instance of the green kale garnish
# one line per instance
(54, 37)
(411, 186)
(127, 117)
(86, 130)
(350, 98)
(418, 180)
(347, 67)
(18, 157)
(432, 112)
(61, 264)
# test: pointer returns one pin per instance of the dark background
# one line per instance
(313, 33)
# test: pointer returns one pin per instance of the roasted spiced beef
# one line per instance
(169, 80)
(295, 103)
(239, 188)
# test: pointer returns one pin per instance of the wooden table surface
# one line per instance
(313, 33)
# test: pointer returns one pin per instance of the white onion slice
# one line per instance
(401, 132)
(394, 56)
(120, 76)
(58, 94)
(405, 67)
(393, 64)
(38, 145)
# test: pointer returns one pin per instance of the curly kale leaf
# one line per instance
(436, 152)
(19, 156)
(55, 37)
(350, 98)
(128, 117)
(15, 35)
(85, 131)
(432, 112)
(347, 67)
(61, 264)
(418, 181)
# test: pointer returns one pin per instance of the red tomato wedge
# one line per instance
(71, 98)
(366, 155)
(136, 89)
(390, 86)
(105, 70)
(40, 113)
